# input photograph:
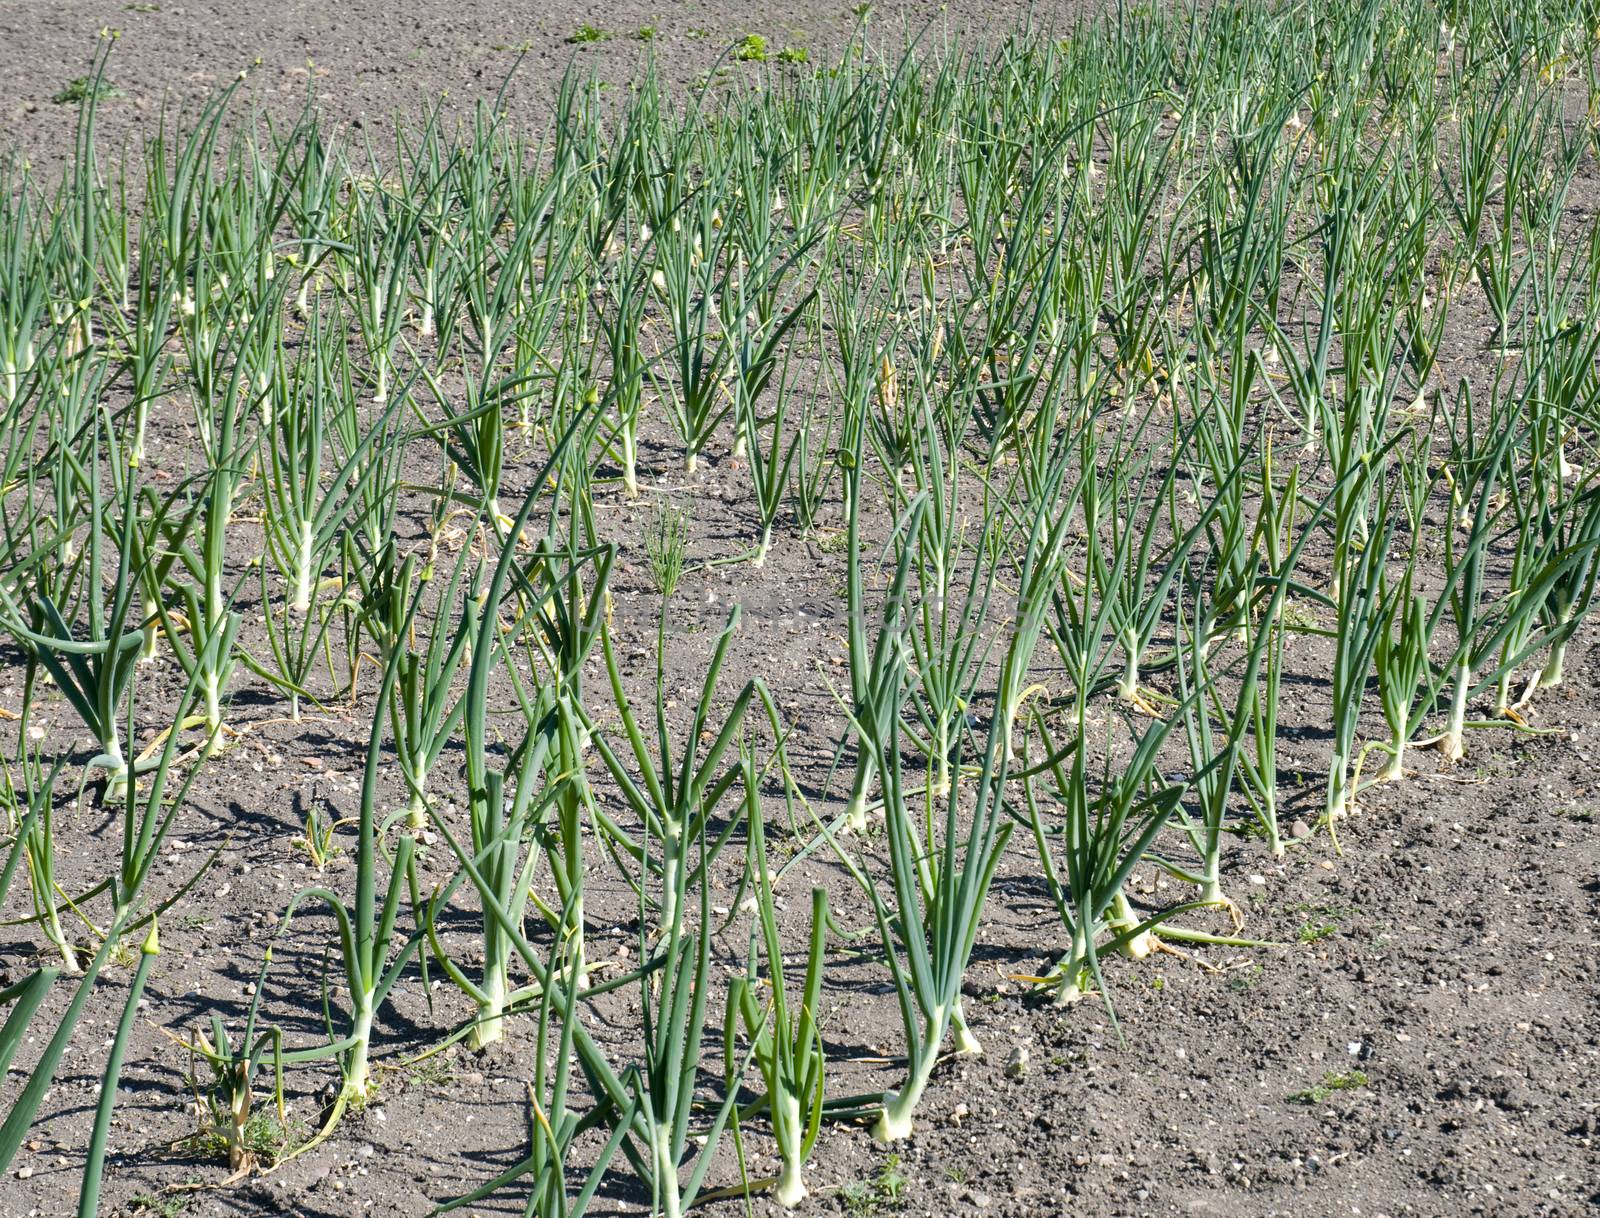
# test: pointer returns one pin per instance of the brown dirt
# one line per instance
(1449, 953)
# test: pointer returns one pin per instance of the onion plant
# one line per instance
(147, 817)
(367, 925)
(555, 1127)
(227, 369)
(1091, 842)
(1212, 764)
(1475, 470)
(928, 938)
(427, 709)
(95, 672)
(33, 817)
(691, 269)
(229, 1102)
(674, 855)
(1400, 661)
(100, 1135)
(499, 826)
(813, 466)
(770, 448)
(144, 339)
(677, 792)
(1364, 620)
(675, 1012)
(375, 260)
(22, 273)
(877, 668)
(568, 603)
(1046, 524)
(306, 497)
(623, 323)
(786, 1041)
(423, 163)
(1275, 527)
(311, 199)
(1136, 568)
(546, 768)
(939, 874)
(947, 628)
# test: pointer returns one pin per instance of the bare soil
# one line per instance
(1448, 954)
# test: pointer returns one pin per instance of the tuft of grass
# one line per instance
(645, 33)
(1332, 1082)
(587, 33)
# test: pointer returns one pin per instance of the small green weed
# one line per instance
(1311, 931)
(885, 1191)
(1324, 920)
(430, 1072)
(82, 88)
(1241, 983)
(1331, 1083)
(163, 1204)
(267, 1139)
